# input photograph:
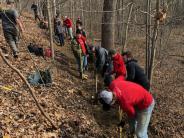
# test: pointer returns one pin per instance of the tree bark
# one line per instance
(154, 44)
(127, 27)
(54, 8)
(50, 27)
(108, 24)
(148, 34)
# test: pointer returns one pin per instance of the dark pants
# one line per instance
(37, 17)
(12, 39)
(61, 39)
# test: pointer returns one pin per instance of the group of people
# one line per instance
(127, 85)
(124, 79)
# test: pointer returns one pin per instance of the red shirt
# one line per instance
(81, 42)
(119, 65)
(130, 95)
(68, 23)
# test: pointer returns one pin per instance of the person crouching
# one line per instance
(133, 99)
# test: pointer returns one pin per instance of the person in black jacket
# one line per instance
(134, 72)
(59, 30)
(34, 7)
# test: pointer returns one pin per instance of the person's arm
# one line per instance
(18, 21)
(129, 109)
(20, 24)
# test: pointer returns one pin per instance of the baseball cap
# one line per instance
(105, 98)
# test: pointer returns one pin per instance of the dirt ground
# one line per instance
(68, 101)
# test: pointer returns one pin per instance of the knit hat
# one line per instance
(106, 96)
(10, 1)
(127, 53)
(112, 52)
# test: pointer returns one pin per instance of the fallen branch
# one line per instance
(30, 89)
(177, 56)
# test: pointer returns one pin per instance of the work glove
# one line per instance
(121, 123)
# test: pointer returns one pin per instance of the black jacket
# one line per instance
(136, 74)
(34, 7)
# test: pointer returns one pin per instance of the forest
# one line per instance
(91, 68)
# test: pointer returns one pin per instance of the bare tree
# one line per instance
(127, 27)
(50, 27)
(153, 44)
(108, 24)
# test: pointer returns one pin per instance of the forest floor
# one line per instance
(68, 100)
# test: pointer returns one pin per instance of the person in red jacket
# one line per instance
(119, 67)
(68, 24)
(81, 40)
(133, 99)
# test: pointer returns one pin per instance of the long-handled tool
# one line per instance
(120, 127)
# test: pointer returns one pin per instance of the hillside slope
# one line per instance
(68, 101)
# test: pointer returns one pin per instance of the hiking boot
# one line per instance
(85, 77)
(6, 55)
(15, 56)
(86, 68)
(80, 75)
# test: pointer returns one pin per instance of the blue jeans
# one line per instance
(82, 63)
(141, 121)
(70, 32)
(85, 62)
(61, 39)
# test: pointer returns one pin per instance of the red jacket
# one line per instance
(130, 95)
(68, 23)
(119, 65)
(81, 41)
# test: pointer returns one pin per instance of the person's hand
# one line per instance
(121, 123)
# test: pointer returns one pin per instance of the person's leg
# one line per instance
(81, 66)
(132, 125)
(38, 17)
(35, 16)
(143, 119)
(62, 39)
(70, 33)
(85, 62)
(12, 41)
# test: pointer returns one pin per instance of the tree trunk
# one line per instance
(108, 24)
(148, 34)
(122, 27)
(54, 8)
(127, 27)
(82, 13)
(90, 8)
(18, 4)
(154, 43)
(50, 27)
